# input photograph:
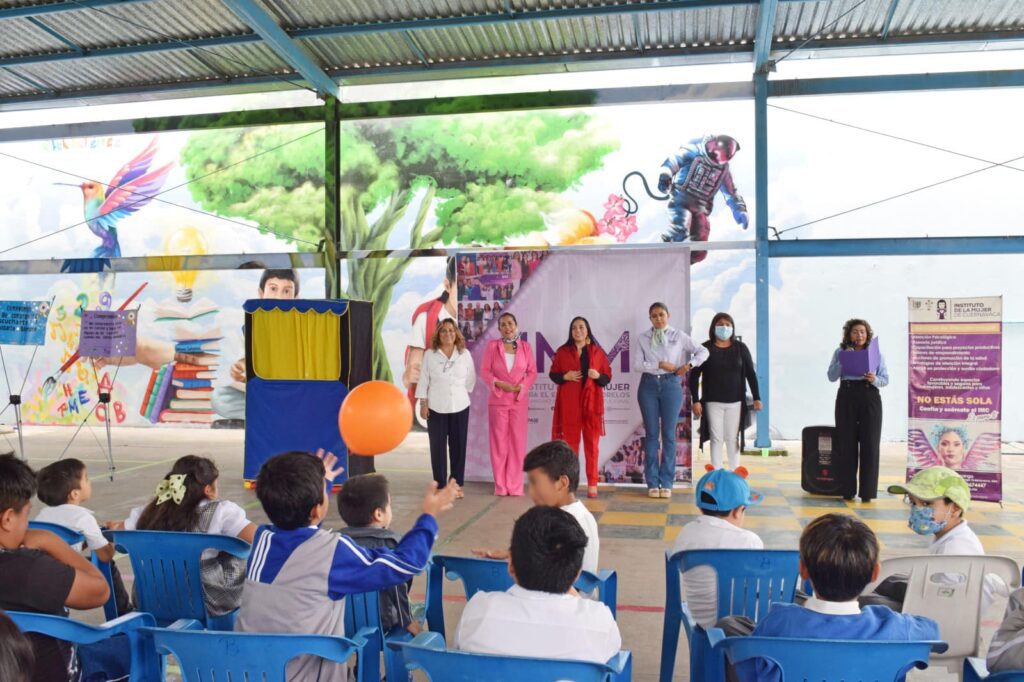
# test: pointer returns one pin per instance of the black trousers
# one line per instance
(858, 432)
(447, 432)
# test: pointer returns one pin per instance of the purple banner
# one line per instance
(545, 290)
(955, 390)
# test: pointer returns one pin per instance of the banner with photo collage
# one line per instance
(955, 385)
(545, 290)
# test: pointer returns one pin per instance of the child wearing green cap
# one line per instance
(938, 498)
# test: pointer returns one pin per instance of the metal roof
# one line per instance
(74, 49)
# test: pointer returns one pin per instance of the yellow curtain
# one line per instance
(294, 345)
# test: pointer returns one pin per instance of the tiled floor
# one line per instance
(786, 509)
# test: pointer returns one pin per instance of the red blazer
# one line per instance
(493, 368)
(577, 401)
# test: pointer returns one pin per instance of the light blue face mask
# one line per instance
(723, 332)
(922, 521)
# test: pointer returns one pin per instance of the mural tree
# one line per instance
(487, 177)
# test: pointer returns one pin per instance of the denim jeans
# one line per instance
(660, 398)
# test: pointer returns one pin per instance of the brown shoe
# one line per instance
(666, 493)
(654, 492)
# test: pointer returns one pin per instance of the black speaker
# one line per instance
(823, 470)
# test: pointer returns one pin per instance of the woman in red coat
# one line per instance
(581, 370)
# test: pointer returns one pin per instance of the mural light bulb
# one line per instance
(185, 241)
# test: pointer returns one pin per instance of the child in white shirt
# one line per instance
(938, 498)
(539, 616)
(722, 497)
(553, 473)
(64, 486)
(186, 501)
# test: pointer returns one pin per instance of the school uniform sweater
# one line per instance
(296, 581)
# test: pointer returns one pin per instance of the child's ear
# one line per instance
(378, 515)
(803, 571)
(876, 571)
(563, 481)
(6, 517)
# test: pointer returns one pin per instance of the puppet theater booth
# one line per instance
(302, 358)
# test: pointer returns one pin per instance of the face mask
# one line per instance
(723, 332)
(922, 521)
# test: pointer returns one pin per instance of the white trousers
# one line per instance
(724, 427)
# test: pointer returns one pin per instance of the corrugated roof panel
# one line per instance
(147, 22)
(840, 18)
(21, 36)
(304, 13)
(112, 72)
(951, 16)
(11, 86)
(251, 60)
(504, 41)
(360, 51)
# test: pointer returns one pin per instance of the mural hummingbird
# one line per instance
(131, 188)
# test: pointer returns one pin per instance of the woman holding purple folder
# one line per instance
(858, 411)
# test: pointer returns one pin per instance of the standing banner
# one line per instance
(108, 333)
(545, 290)
(23, 323)
(956, 389)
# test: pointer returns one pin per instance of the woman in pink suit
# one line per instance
(509, 370)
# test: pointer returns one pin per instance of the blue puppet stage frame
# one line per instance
(302, 414)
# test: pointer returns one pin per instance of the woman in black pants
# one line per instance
(859, 411)
(446, 380)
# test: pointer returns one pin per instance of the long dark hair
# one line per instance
(16, 656)
(720, 317)
(590, 335)
(199, 472)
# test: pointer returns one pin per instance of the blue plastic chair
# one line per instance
(362, 611)
(976, 671)
(145, 666)
(210, 656)
(427, 652)
(749, 581)
(73, 537)
(166, 569)
(68, 535)
(827, 659)
(491, 575)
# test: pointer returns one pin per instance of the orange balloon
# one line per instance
(374, 418)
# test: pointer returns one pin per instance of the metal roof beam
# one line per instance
(888, 18)
(763, 37)
(908, 82)
(170, 263)
(895, 246)
(58, 7)
(287, 49)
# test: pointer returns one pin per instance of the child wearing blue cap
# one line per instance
(722, 497)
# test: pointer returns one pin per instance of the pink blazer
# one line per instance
(493, 368)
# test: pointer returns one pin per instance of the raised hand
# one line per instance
(329, 459)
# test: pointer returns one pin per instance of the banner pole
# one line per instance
(16, 399)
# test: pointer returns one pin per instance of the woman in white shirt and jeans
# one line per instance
(663, 352)
(446, 378)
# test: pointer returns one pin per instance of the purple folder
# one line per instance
(860, 362)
